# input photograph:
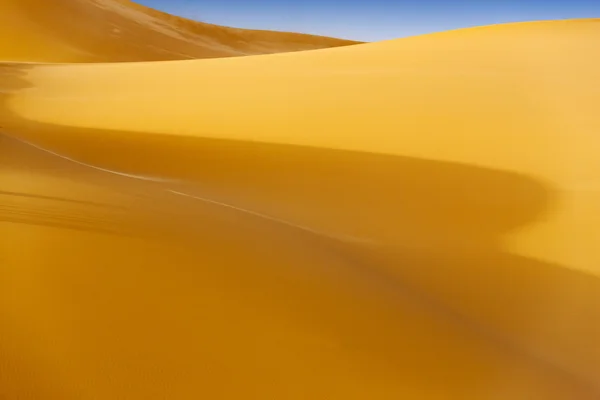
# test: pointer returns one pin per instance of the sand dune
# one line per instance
(121, 30)
(415, 218)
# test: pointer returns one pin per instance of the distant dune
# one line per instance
(410, 219)
(121, 30)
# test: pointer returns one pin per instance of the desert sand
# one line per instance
(121, 30)
(416, 218)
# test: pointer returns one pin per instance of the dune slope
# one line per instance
(121, 30)
(414, 218)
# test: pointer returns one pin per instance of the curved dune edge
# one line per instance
(441, 262)
(119, 30)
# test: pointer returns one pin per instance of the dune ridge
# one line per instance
(119, 31)
(411, 218)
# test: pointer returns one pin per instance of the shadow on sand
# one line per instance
(426, 229)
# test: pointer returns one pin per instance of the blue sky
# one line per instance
(372, 20)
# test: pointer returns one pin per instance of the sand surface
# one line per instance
(120, 30)
(416, 218)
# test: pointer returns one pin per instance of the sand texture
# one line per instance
(409, 219)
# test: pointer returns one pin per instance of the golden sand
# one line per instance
(416, 218)
(121, 30)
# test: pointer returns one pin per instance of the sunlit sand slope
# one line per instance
(120, 30)
(414, 219)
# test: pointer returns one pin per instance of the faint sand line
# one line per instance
(166, 180)
(274, 219)
(134, 176)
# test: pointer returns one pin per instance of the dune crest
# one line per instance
(415, 218)
(119, 30)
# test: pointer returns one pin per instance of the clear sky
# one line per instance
(372, 20)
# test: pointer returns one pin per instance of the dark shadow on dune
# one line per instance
(53, 198)
(142, 209)
(425, 222)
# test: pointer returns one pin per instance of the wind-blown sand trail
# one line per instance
(416, 218)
